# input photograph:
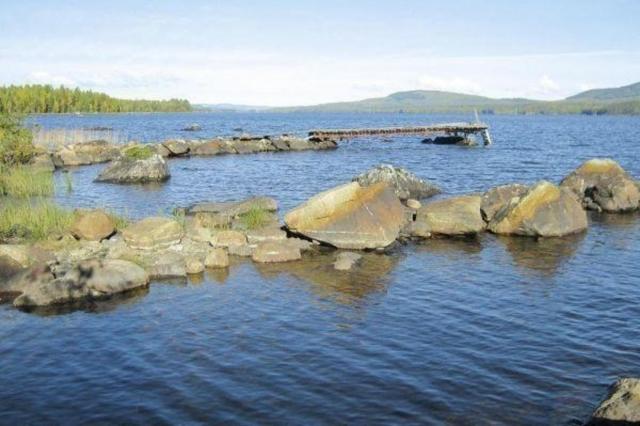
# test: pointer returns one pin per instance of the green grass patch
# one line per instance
(25, 181)
(32, 220)
(255, 218)
(139, 152)
(120, 220)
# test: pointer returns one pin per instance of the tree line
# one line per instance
(37, 98)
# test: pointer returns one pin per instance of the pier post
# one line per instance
(486, 137)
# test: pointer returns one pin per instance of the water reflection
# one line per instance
(545, 255)
(618, 220)
(450, 247)
(371, 275)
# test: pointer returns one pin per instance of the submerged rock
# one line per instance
(451, 216)
(497, 198)
(90, 279)
(405, 184)
(545, 210)
(346, 260)
(275, 252)
(153, 233)
(92, 225)
(350, 216)
(192, 128)
(601, 184)
(621, 406)
(127, 170)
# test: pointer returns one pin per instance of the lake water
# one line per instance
(484, 331)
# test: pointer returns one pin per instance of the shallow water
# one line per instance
(483, 331)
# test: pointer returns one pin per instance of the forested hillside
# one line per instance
(45, 99)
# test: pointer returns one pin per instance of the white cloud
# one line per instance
(454, 84)
(547, 85)
(43, 77)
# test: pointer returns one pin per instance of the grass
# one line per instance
(32, 220)
(120, 221)
(255, 218)
(138, 152)
(25, 181)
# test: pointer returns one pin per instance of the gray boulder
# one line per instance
(451, 216)
(621, 406)
(497, 198)
(91, 279)
(83, 153)
(176, 147)
(127, 170)
(601, 184)
(404, 183)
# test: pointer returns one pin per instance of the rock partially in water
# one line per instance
(192, 128)
(545, 210)
(621, 406)
(153, 233)
(167, 265)
(256, 236)
(33, 277)
(193, 265)
(212, 147)
(217, 258)
(452, 216)
(601, 184)
(350, 216)
(225, 214)
(176, 147)
(276, 252)
(92, 279)
(85, 153)
(127, 170)
(346, 260)
(405, 184)
(92, 225)
(499, 197)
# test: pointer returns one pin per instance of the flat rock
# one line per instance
(93, 225)
(451, 216)
(228, 239)
(223, 214)
(91, 279)
(497, 198)
(601, 184)
(153, 233)
(177, 147)
(545, 210)
(405, 184)
(275, 252)
(621, 406)
(126, 171)
(92, 152)
(256, 236)
(350, 216)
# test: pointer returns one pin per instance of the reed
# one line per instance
(32, 220)
(55, 139)
(25, 181)
(255, 218)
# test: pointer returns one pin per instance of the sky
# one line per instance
(288, 52)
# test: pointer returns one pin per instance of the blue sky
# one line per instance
(305, 52)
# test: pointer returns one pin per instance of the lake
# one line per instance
(490, 330)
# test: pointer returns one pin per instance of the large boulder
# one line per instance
(83, 153)
(92, 225)
(153, 233)
(451, 216)
(545, 210)
(621, 406)
(92, 279)
(601, 184)
(128, 170)
(405, 184)
(496, 198)
(350, 216)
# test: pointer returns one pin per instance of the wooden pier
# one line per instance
(447, 129)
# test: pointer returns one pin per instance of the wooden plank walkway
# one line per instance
(446, 128)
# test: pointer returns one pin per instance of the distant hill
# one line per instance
(623, 100)
(38, 98)
(624, 93)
